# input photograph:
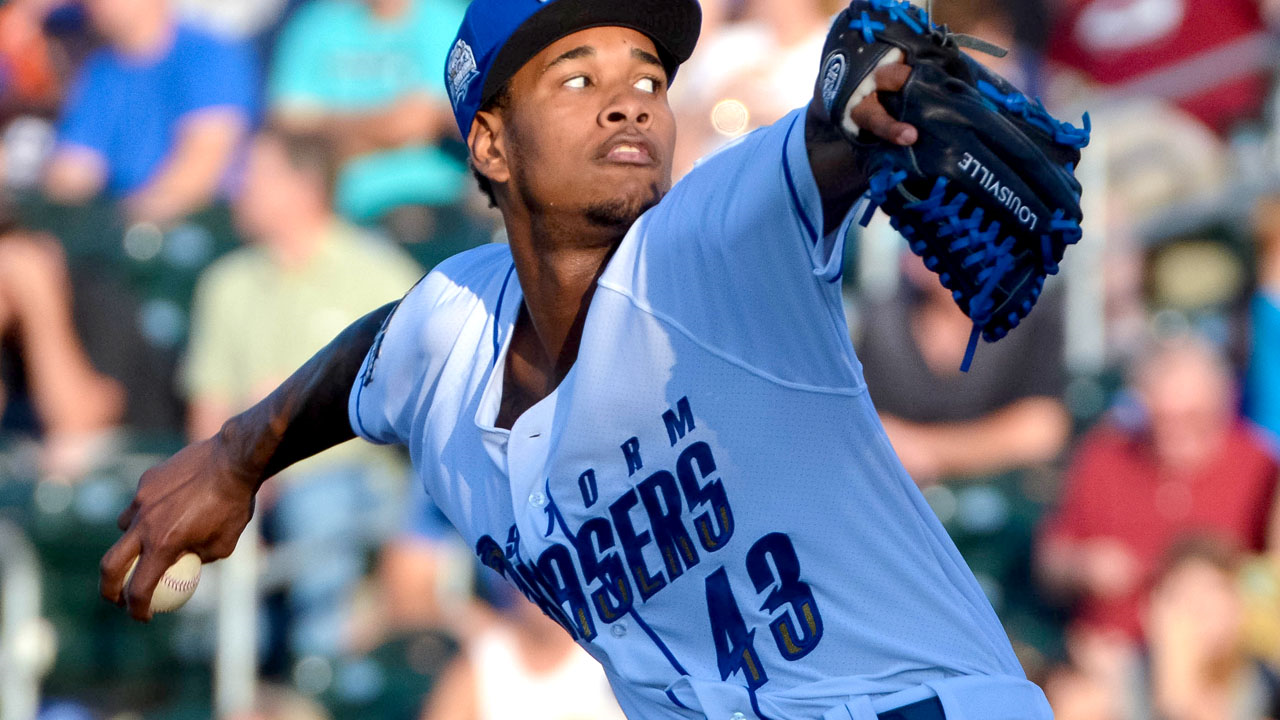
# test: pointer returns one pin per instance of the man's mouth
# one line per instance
(629, 154)
(629, 151)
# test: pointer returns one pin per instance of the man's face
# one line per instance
(1190, 403)
(112, 18)
(1201, 603)
(274, 192)
(588, 128)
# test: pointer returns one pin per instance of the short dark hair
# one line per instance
(1215, 551)
(499, 104)
(311, 153)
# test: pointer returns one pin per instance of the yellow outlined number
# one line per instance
(796, 632)
(773, 567)
(735, 645)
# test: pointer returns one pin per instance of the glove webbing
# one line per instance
(973, 245)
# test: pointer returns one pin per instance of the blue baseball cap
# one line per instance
(498, 37)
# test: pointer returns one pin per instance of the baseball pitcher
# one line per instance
(645, 412)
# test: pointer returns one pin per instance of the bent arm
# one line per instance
(201, 499)
(1027, 432)
(190, 177)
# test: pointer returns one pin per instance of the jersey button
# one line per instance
(619, 630)
(538, 500)
(737, 716)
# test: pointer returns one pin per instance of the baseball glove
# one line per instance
(987, 196)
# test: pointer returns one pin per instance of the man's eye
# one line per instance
(648, 85)
(577, 82)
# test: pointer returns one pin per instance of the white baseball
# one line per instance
(177, 584)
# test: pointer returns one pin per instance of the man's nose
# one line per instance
(626, 107)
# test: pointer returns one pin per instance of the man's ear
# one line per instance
(488, 147)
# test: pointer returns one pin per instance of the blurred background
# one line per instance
(195, 195)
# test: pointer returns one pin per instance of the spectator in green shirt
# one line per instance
(259, 313)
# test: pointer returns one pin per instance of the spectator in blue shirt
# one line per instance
(157, 117)
(1263, 388)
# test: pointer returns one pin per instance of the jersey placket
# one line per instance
(528, 449)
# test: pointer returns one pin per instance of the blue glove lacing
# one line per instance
(974, 249)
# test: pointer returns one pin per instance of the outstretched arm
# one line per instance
(201, 499)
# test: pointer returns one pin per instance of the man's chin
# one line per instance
(622, 212)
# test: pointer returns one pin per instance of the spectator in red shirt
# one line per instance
(1212, 57)
(1192, 466)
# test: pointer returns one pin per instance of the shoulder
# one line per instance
(233, 272)
(1109, 442)
(193, 40)
(367, 250)
(237, 263)
(197, 47)
(472, 281)
(99, 63)
(431, 320)
(1250, 444)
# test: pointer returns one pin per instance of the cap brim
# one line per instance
(673, 25)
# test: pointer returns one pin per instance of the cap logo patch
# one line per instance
(462, 71)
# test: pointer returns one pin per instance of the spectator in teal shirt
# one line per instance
(369, 75)
(157, 118)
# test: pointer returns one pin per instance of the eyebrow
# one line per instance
(574, 54)
(643, 56)
(646, 57)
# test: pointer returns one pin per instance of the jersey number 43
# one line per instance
(772, 566)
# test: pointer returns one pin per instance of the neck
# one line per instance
(296, 245)
(149, 34)
(558, 260)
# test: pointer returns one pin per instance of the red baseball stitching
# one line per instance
(180, 585)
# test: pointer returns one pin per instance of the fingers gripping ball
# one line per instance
(176, 586)
(987, 196)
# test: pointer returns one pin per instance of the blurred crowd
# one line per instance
(196, 195)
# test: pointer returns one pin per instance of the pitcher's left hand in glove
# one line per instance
(987, 195)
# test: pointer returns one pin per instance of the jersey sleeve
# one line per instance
(735, 255)
(407, 357)
(393, 369)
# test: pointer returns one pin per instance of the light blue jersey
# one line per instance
(708, 502)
